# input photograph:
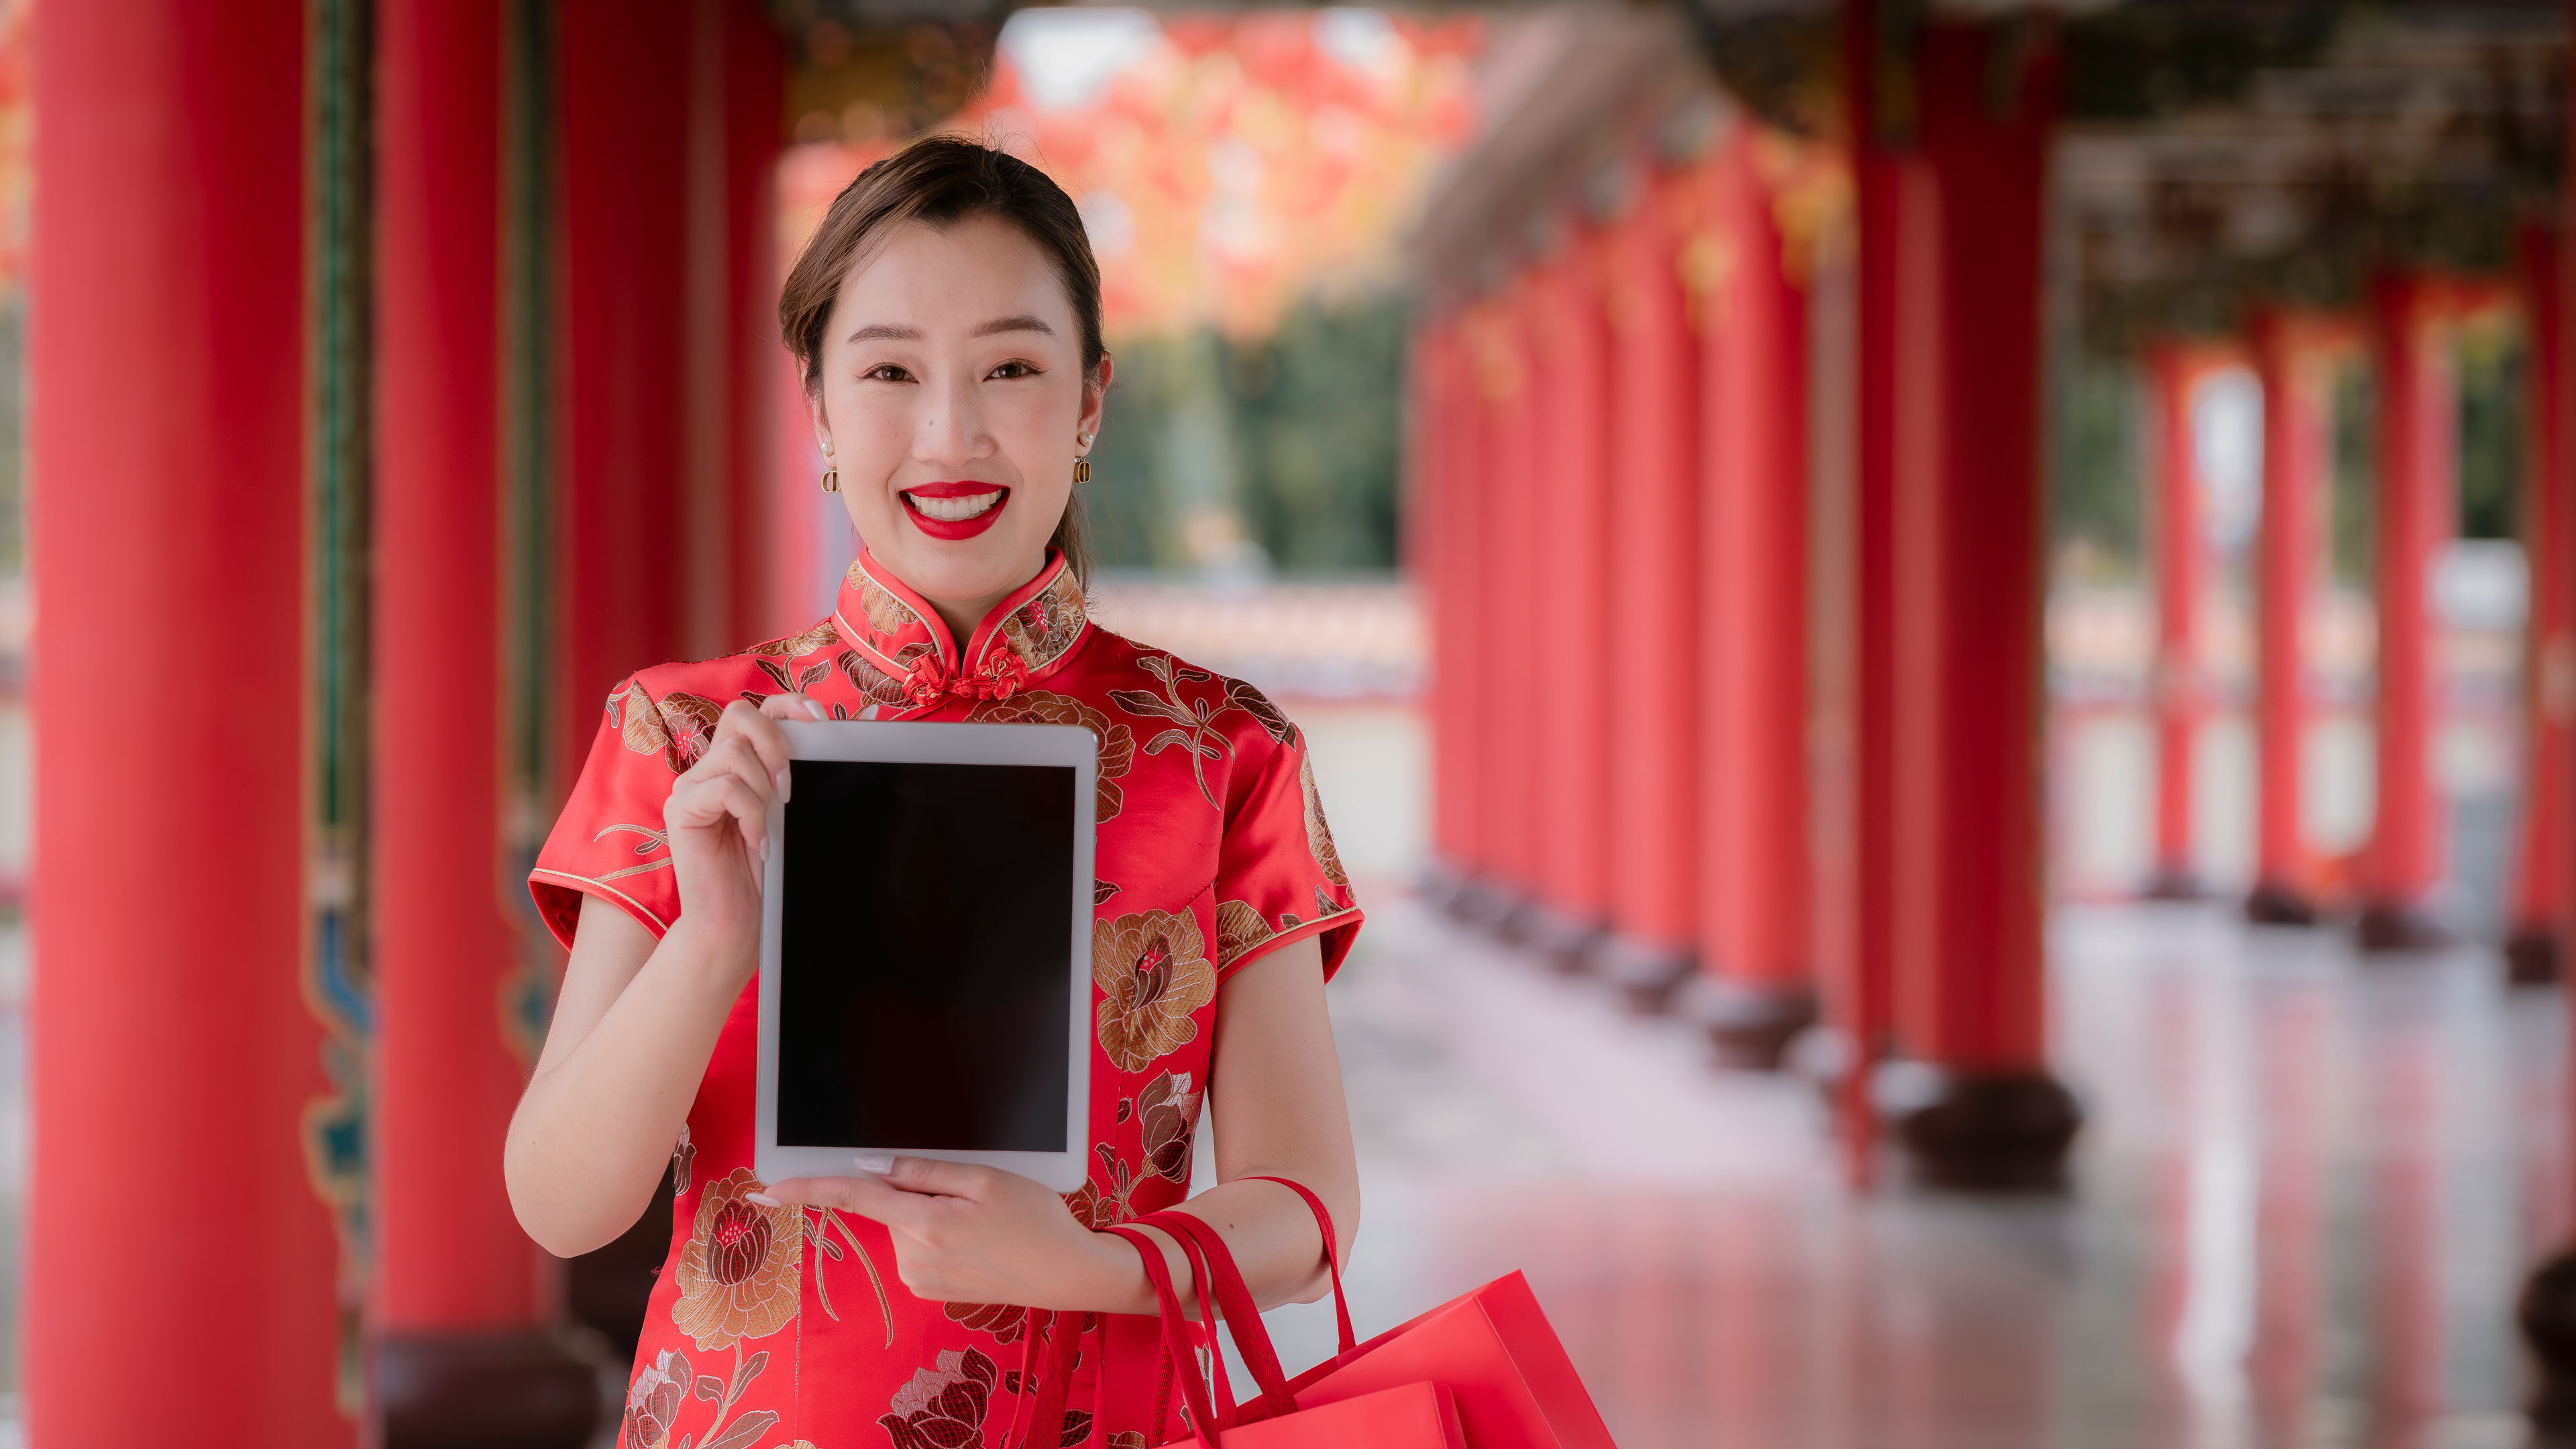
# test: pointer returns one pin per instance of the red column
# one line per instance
(2532, 951)
(1756, 988)
(2418, 448)
(2296, 451)
(1654, 544)
(169, 1024)
(625, 592)
(760, 374)
(1572, 354)
(1513, 603)
(461, 1358)
(1454, 537)
(1977, 1008)
(2181, 565)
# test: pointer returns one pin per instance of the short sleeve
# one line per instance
(1278, 877)
(608, 842)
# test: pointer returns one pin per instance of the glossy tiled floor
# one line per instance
(2306, 1194)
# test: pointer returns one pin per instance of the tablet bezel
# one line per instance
(1061, 746)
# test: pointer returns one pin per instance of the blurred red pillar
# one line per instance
(1967, 830)
(2296, 452)
(1571, 351)
(461, 1358)
(2181, 564)
(1756, 991)
(2533, 949)
(1512, 605)
(1654, 547)
(2418, 447)
(170, 1032)
(1445, 517)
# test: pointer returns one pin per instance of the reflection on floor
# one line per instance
(2307, 1192)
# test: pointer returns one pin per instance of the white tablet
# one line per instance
(925, 950)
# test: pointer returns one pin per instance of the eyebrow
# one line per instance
(894, 332)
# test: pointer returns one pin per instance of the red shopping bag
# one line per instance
(1492, 1350)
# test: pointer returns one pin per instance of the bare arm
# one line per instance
(638, 1020)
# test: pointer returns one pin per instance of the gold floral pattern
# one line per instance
(886, 613)
(1239, 928)
(1319, 835)
(1256, 704)
(1196, 718)
(1097, 1207)
(742, 1271)
(943, 1406)
(679, 727)
(1168, 1112)
(1152, 971)
(654, 1400)
(1042, 629)
(1005, 1321)
(796, 646)
(1038, 706)
(875, 683)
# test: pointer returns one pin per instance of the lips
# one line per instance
(955, 511)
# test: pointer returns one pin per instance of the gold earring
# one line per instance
(1081, 471)
(832, 480)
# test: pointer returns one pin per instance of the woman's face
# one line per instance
(955, 404)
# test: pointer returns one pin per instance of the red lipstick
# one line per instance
(948, 498)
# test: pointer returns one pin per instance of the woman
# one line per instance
(946, 318)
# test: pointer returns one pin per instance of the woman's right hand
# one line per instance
(717, 821)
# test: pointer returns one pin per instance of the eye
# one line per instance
(1013, 368)
(885, 372)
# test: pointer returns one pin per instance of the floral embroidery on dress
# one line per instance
(1239, 928)
(943, 1407)
(818, 1231)
(1319, 836)
(796, 646)
(1097, 1207)
(678, 727)
(682, 1157)
(1038, 706)
(1256, 704)
(1153, 972)
(741, 1273)
(1102, 890)
(1168, 1111)
(1005, 1321)
(1042, 629)
(1196, 718)
(886, 613)
(869, 680)
(653, 1401)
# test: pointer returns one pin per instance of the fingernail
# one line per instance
(815, 708)
(762, 1198)
(781, 780)
(760, 849)
(870, 1162)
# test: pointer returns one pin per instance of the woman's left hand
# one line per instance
(967, 1234)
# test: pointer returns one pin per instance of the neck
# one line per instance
(964, 616)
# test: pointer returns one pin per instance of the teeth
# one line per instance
(955, 510)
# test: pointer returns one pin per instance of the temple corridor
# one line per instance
(2310, 1185)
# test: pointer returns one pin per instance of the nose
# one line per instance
(950, 429)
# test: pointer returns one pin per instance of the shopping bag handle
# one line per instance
(1221, 1288)
(1177, 1343)
(1332, 1253)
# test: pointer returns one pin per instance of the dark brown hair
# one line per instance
(943, 180)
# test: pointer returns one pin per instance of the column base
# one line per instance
(1749, 1024)
(1571, 944)
(2175, 883)
(2275, 904)
(2531, 956)
(484, 1391)
(2546, 1313)
(1486, 903)
(1994, 1132)
(1440, 882)
(2399, 926)
(1647, 976)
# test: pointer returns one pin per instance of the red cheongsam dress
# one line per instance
(779, 1327)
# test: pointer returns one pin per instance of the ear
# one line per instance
(1095, 396)
(822, 423)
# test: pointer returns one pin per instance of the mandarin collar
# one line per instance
(908, 660)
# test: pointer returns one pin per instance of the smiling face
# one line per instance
(952, 393)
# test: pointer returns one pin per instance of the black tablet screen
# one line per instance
(923, 980)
